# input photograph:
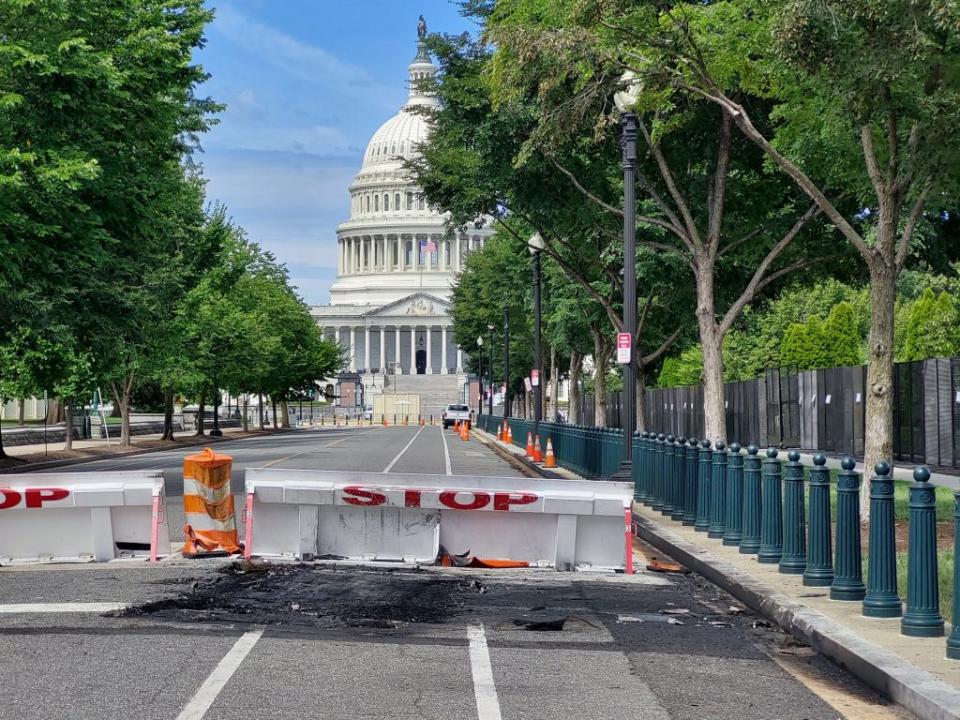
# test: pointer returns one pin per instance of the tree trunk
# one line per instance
(273, 407)
(260, 409)
(21, 412)
(711, 340)
(121, 402)
(167, 414)
(600, 381)
(201, 408)
(68, 426)
(554, 386)
(284, 414)
(54, 411)
(3, 453)
(878, 427)
(573, 407)
(246, 422)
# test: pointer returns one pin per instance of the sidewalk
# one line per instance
(913, 672)
(38, 457)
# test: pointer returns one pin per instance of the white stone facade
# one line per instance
(396, 260)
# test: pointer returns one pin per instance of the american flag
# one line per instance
(428, 245)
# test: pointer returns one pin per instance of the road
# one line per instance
(213, 640)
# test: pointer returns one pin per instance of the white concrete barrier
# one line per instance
(82, 516)
(565, 524)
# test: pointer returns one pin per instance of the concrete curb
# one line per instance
(53, 464)
(916, 690)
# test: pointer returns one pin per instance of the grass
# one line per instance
(944, 573)
(901, 501)
(26, 423)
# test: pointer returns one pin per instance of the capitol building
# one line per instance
(396, 265)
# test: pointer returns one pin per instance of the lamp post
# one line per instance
(625, 101)
(490, 384)
(216, 431)
(536, 245)
(506, 363)
(479, 375)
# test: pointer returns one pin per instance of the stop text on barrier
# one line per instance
(33, 498)
(439, 498)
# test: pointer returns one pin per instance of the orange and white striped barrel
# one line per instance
(211, 523)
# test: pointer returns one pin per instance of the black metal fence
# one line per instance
(818, 409)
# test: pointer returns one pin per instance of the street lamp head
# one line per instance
(535, 244)
(626, 99)
(490, 327)
(480, 340)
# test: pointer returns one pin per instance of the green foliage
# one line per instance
(932, 327)
(682, 370)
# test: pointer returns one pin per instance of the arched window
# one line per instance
(368, 203)
(419, 202)
(396, 201)
(386, 203)
(409, 201)
(401, 148)
(393, 149)
(376, 203)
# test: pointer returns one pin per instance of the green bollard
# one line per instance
(634, 467)
(666, 495)
(771, 518)
(718, 492)
(794, 559)
(819, 572)
(733, 533)
(690, 484)
(648, 456)
(953, 642)
(679, 468)
(848, 562)
(882, 600)
(705, 459)
(658, 472)
(750, 544)
(922, 617)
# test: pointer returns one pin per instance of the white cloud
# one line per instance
(308, 63)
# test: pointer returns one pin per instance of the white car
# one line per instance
(455, 413)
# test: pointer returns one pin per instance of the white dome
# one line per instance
(394, 141)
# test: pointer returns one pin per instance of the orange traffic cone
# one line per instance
(456, 426)
(464, 431)
(550, 460)
(529, 452)
(384, 420)
(537, 451)
(509, 432)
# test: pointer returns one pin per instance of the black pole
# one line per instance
(479, 381)
(506, 364)
(216, 431)
(629, 143)
(537, 356)
(490, 404)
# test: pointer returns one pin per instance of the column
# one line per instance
(443, 349)
(396, 355)
(429, 351)
(413, 350)
(364, 254)
(456, 254)
(353, 349)
(383, 348)
(459, 360)
(442, 254)
(366, 348)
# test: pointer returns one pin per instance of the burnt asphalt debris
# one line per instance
(307, 596)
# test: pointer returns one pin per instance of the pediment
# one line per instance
(416, 305)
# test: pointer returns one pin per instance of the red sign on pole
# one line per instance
(534, 377)
(624, 345)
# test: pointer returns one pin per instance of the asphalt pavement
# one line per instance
(392, 643)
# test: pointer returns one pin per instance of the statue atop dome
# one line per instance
(422, 29)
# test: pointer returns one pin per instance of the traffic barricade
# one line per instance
(211, 525)
(566, 524)
(70, 517)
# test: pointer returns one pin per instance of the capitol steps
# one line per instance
(435, 391)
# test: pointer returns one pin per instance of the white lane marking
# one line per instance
(208, 692)
(77, 607)
(488, 705)
(446, 451)
(406, 447)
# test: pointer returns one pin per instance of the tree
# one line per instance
(731, 221)
(865, 100)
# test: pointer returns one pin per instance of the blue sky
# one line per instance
(306, 82)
